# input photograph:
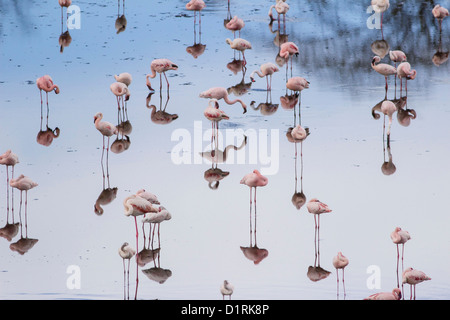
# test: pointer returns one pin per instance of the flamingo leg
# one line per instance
(7, 195)
(26, 216)
(343, 282)
(251, 230)
(124, 279)
(255, 217)
(20, 214)
(337, 282)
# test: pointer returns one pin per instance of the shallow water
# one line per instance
(340, 162)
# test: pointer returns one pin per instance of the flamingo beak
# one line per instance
(253, 80)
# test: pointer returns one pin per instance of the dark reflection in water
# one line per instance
(160, 116)
(121, 21)
(266, 108)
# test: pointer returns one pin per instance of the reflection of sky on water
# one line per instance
(342, 157)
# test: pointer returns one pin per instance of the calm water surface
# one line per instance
(339, 163)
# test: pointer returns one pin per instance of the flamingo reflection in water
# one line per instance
(317, 208)
(24, 244)
(160, 116)
(197, 48)
(124, 127)
(266, 108)
(126, 252)
(340, 262)
(121, 21)
(254, 180)
(45, 137)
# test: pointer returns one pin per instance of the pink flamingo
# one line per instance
(64, 3)
(394, 295)
(281, 8)
(397, 56)
(46, 83)
(241, 45)
(9, 159)
(214, 114)
(196, 6)
(160, 66)
(107, 129)
(412, 277)
(383, 69)
(253, 180)
(388, 108)
(287, 50)
(400, 236)
(297, 84)
(380, 6)
(156, 218)
(317, 207)
(124, 77)
(340, 262)
(23, 183)
(120, 90)
(266, 70)
(221, 93)
(235, 24)
(136, 206)
(299, 134)
(404, 71)
(126, 252)
(439, 13)
(148, 196)
(226, 289)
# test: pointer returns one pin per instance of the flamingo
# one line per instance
(221, 93)
(64, 3)
(124, 77)
(214, 113)
(394, 295)
(380, 6)
(23, 183)
(160, 66)
(235, 24)
(298, 133)
(397, 56)
(148, 196)
(340, 262)
(297, 84)
(196, 6)
(317, 208)
(287, 50)
(126, 252)
(9, 159)
(107, 129)
(400, 236)
(266, 70)
(226, 289)
(281, 8)
(388, 108)
(383, 68)
(404, 71)
(120, 89)
(439, 13)
(253, 180)
(412, 277)
(240, 45)
(46, 83)
(137, 206)
(156, 218)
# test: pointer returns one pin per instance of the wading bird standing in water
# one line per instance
(9, 159)
(126, 252)
(221, 93)
(340, 262)
(160, 66)
(266, 70)
(226, 289)
(107, 129)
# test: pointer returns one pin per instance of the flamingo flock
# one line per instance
(147, 205)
